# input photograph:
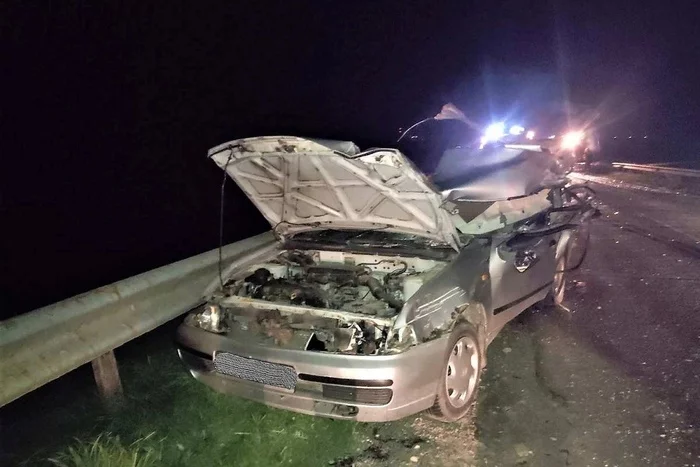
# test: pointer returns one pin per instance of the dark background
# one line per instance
(108, 108)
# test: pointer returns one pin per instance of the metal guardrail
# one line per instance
(655, 168)
(44, 344)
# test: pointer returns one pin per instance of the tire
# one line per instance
(459, 381)
(555, 297)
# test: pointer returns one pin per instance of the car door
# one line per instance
(522, 270)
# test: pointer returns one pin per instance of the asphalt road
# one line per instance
(642, 284)
(613, 379)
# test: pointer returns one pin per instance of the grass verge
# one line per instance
(108, 450)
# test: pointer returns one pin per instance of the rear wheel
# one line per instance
(459, 381)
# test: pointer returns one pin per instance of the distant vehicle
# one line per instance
(572, 145)
(385, 288)
(581, 147)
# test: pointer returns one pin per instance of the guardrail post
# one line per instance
(107, 376)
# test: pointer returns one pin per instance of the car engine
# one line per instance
(375, 288)
(320, 300)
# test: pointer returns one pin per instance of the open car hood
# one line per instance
(303, 184)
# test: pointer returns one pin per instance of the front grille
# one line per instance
(375, 396)
(250, 369)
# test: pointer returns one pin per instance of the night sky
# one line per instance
(108, 108)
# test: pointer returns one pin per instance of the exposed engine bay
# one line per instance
(365, 284)
(321, 300)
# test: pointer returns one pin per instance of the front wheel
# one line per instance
(556, 293)
(460, 377)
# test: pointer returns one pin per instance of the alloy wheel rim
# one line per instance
(461, 372)
(559, 277)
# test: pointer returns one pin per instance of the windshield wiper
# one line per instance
(334, 235)
(363, 232)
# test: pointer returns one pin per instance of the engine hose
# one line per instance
(378, 290)
(364, 268)
(397, 272)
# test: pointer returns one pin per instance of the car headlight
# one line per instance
(571, 139)
(494, 132)
(210, 318)
(516, 130)
(401, 339)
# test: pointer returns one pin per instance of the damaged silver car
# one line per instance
(384, 288)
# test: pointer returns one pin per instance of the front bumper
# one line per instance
(354, 387)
